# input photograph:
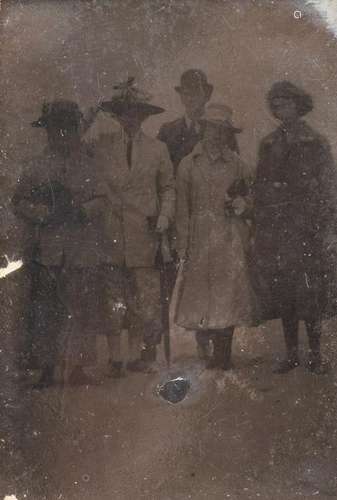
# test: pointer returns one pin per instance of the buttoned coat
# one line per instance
(295, 212)
(136, 195)
(73, 242)
(216, 290)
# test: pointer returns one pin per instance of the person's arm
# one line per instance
(166, 191)
(23, 203)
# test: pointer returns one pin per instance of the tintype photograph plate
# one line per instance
(168, 249)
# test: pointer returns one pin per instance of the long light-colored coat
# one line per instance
(216, 288)
(136, 195)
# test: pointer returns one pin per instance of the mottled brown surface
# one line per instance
(247, 434)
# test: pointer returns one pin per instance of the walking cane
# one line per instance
(166, 260)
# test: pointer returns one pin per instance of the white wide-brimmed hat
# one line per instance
(218, 112)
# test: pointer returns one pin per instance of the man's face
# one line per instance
(194, 102)
(61, 134)
(131, 121)
(284, 109)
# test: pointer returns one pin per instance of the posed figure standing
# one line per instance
(213, 239)
(294, 213)
(136, 180)
(181, 136)
(55, 197)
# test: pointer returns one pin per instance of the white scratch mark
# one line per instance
(11, 267)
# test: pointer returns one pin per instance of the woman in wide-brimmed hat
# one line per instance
(294, 213)
(212, 238)
(138, 175)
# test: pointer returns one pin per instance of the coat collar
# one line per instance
(299, 132)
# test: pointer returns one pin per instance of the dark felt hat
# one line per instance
(192, 80)
(287, 90)
(128, 97)
(63, 112)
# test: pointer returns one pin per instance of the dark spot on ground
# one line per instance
(174, 390)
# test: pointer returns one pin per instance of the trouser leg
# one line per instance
(222, 341)
(79, 347)
(290, 331)
(314, 330)
(203, 344)
(114, 308)
(144, 313)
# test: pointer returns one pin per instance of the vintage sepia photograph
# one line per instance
(168, 249)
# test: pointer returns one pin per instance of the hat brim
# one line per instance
(207, 86)
(229, 125)
(122, 108)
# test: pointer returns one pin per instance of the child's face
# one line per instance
(213, 133)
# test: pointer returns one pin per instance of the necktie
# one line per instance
(129, 152)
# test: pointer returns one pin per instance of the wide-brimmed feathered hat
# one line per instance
(127, 97)
(218, 112)
(192, 81)
(65, 113)
(287, 90)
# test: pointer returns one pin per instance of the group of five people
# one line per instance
(110, 224)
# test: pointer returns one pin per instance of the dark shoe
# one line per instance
(316, 366)
(139, 365)
(46, 379)
(149, 354)
(286, 366)
(116, 369)
(214, 363)
(78, 377)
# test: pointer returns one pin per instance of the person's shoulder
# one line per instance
(190, 160)
(309, 134)
(171, 128)
(270, 138)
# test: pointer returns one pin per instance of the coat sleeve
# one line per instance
(183, 205)
(22, 202)
(166, 185)
(325, 183)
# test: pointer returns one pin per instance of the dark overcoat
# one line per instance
(294, 215)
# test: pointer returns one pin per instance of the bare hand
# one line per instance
(162, 224)
(239, 205)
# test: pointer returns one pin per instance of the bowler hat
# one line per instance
(63, 112)
(193, 80)
(218, 112)
(287, 90)
(127, 97)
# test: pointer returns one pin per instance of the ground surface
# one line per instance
(240, 435)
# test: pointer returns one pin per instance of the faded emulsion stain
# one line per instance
(168, 249)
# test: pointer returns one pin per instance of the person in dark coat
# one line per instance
(294, 210)
(55, 197)
(181, 136)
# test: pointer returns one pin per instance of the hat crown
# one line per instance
(129, 91)
(193, 78)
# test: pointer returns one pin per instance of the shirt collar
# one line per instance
(188, 123)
